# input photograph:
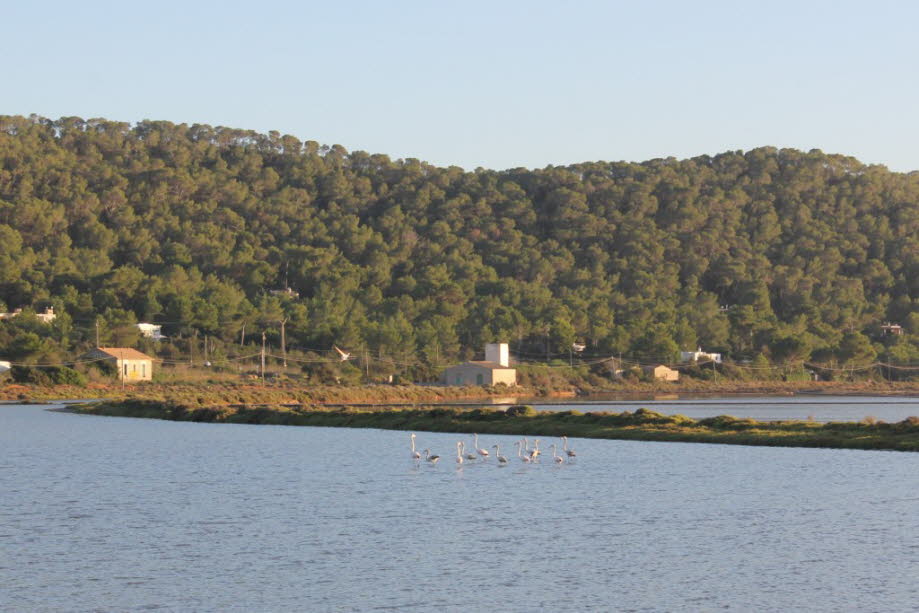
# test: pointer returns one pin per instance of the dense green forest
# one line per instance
(773, 255)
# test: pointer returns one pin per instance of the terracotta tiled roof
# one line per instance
(123, 353)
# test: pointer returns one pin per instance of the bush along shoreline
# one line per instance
(640, 425)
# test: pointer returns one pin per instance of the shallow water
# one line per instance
(116, 514)
(822, 408)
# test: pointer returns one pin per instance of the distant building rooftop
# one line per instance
(123, 353)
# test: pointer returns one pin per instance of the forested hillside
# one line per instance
(775, 255)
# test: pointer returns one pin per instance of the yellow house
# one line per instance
(132, 365)
(662, 373)
(495, 369)
(480, 373)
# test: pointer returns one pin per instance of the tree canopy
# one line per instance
(773, 252)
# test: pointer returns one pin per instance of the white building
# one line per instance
(46, 317)
(5, 366)
(287, 292)
(495, 369)
(15, 313)
(151, 331)
(700, 356)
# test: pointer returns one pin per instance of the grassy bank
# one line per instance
(642, 425)
(227, 392)
(219, 392)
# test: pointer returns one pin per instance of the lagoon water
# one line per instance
(117, 514)
(820, 408)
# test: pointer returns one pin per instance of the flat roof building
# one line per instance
(662, 373)
(493, 370)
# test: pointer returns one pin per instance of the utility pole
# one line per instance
(284, 343)
(205, 350)
(97, 332)
(263, 358)
(191, 351)
(242, 335)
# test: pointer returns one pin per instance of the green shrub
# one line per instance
(485, 414)
(56, 375)
(565, 414)
(521, 410)
(722, 422)
(645, 416)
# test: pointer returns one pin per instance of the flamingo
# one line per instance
(501, 458)
(343, 355)
(415, 454)
(569, 452)
(534, 452)
(479, 450)
(558, 459)
(430, 458)
(459, 453)
(523, 458)
(469, 456)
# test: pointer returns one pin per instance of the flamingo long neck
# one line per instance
(565, 448)
(413, 444)
(475, 441)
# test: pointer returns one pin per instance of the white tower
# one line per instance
(498, 353)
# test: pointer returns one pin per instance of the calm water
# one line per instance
(763, 408)
(115, 514)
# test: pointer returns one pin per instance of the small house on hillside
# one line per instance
(287, 292)
(46, 316)
(662, 373)
(132, 365)
(700, 356)
(892, 329)
(493, 370)
(12, 314)
(5, 366)
(152, 331)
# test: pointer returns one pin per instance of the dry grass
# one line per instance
(640, 425)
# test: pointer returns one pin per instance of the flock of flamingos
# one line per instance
(524, 453)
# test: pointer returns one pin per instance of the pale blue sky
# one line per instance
(486, 83)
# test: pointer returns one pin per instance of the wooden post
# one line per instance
(284, 343)
(263, 358)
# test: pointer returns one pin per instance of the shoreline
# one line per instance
(227, 392)
(642, 424)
